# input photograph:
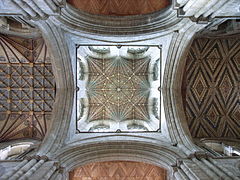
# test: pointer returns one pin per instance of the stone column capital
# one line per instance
(28, 158)
(61, 170)
(198, 155)
(174, 167)
(45, 158)
(179, 162)
(57, 164)
(37, 157)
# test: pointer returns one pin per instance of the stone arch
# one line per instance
(161, 155)
(60, 38)
(175, 117)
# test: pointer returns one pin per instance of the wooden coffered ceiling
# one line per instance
(27, 88)
(211, 88)
(119, 7)
(115, 170)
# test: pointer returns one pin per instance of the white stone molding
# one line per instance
(62, 69)
(31, 9)
(78, 22)
(175, 116)
(83, 153)
(203, 11)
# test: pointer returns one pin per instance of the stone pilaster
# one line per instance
(34, 168)
(24, 169)
(14, 170)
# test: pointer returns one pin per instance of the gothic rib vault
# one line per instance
(121, 89)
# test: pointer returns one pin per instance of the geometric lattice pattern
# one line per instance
(120, 7)
(211, 88)
(118, 170)
(118, 90)
(121, 86)
(27, 88)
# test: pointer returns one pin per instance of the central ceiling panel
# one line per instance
(118, 88)
(119, 7)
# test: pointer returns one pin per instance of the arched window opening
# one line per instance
(15, 151)
(222, 148)
(231, 151)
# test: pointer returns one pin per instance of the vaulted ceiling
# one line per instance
(211, 88)
(118, 89)
(27, 88)
(119, 7)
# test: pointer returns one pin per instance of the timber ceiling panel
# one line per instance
(119, 7)
(116, 170)
(27, 88)
(211, 88)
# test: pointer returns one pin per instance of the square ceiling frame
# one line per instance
(159, 47)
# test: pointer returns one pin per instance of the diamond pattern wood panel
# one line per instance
(118, 170)
(27, 88)
(119, 7)
(211, 88)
